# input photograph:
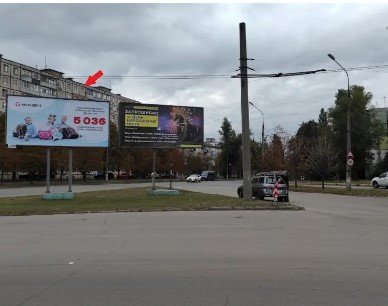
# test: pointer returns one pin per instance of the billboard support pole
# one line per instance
(170, 169)
(107, 165)
(70, 169)
(153, 171)
(48, 171)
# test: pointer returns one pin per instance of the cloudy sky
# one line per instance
(203, 39)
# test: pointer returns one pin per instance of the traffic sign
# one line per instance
(350, 155)
(11, 146)
(350, 162)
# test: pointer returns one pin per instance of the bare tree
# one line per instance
(323, 156)
(296, 156)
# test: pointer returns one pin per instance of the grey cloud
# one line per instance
(152, 39)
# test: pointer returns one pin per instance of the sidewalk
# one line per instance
(26, 191)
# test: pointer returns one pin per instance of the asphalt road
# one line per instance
(333, 253)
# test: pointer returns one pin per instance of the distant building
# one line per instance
(19, 79)
(212, 147)
(382, 116)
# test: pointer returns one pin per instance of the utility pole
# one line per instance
(348, 131)
(246, 150)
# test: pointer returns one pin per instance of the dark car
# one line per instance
(208, 176)
(101, 175)
(263, 184)
(124, 176)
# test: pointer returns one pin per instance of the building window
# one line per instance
(25, 84)
(27, 73)
(15, 70)
(5, 68)
(5, 80)
(15, 82)
(4, 92)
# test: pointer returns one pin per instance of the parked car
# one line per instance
(194, 178)
(380, 181)
(31, 175)
(124, 176)
(101, 175)
(263, 184)
(208, 176)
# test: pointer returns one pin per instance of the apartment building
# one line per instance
(20, 79)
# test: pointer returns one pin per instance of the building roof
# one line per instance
(53, 72)
(103, 88)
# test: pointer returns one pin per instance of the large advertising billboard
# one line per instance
(160, 126)
(35, 121)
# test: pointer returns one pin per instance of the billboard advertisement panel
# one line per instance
(160, 126)
(35, 121)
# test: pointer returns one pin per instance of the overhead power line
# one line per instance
(228, 76)
(160, 77)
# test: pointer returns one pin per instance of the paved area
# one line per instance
(26, 191)
(333, 253)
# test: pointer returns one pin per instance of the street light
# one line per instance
(262, 134)
(348, 134)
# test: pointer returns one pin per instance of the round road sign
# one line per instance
(350, 162)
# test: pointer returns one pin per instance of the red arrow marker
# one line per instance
(93, 78)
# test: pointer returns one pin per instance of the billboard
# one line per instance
(160, 126)
(36, 121)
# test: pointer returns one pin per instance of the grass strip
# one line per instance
(134, 199)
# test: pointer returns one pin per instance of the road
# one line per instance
(333, 253)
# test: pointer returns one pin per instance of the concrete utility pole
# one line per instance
(246, 150)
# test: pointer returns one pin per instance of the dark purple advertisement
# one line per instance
(160, 126)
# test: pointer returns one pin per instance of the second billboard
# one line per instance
(160, 126)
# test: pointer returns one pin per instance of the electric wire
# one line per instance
(228, 76)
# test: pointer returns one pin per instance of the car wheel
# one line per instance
(375, 184)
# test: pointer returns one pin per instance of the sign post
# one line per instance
(48, 171)
(350, 159)
(154, 170)
(275, 193)
(70, 169)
